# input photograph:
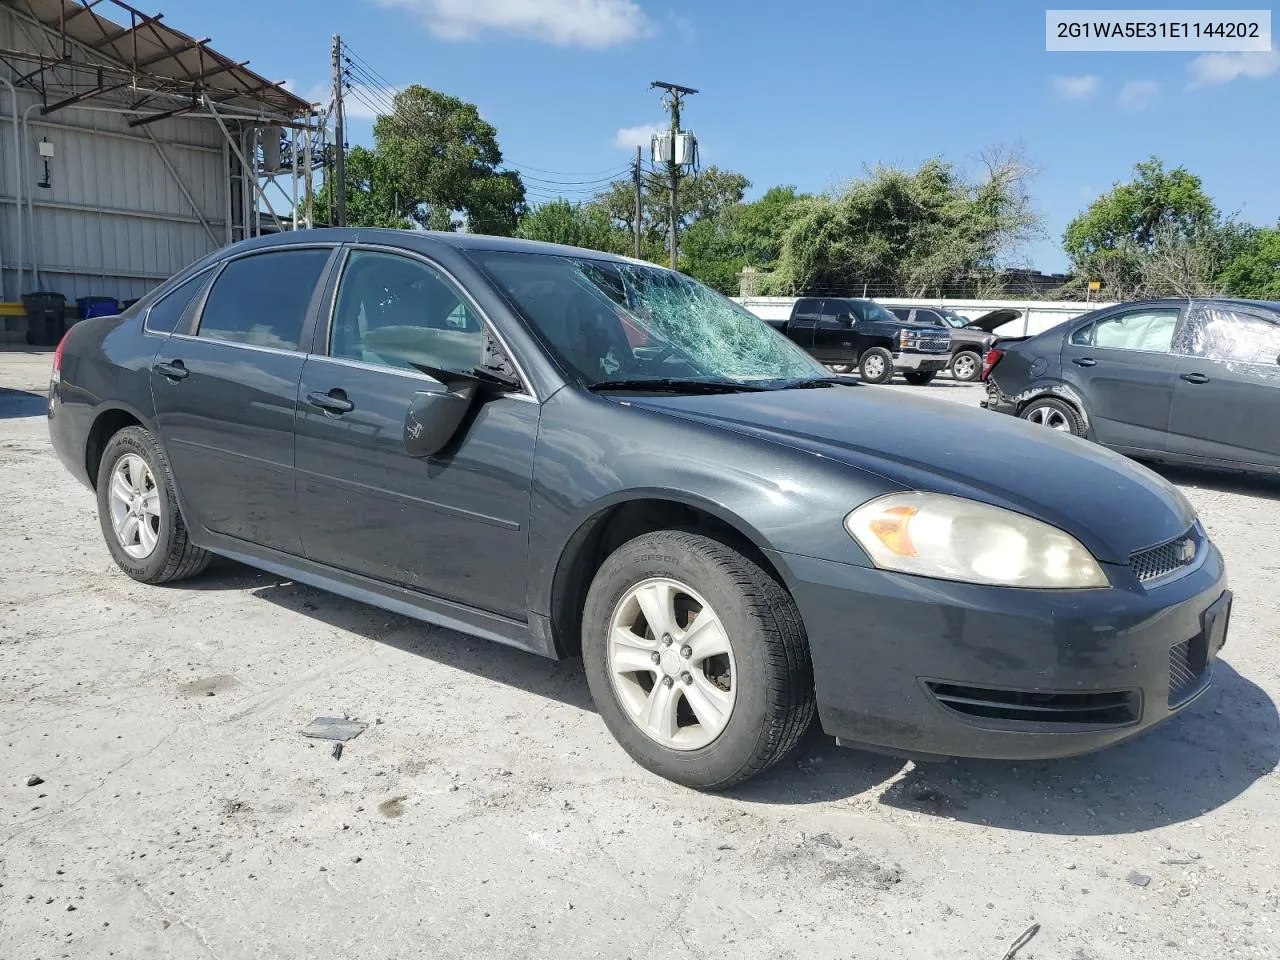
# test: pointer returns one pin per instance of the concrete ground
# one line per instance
(487, 813)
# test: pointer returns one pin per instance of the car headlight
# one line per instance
(951, 538)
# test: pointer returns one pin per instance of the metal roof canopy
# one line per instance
(143, 61)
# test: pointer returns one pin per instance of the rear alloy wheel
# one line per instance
(1054, 414)
(966, 366)
(919, 378)
(876, 365)
(138, 511)
(696, 659)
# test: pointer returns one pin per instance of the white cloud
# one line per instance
(1137, 95)
(1214, 68)
(1076, 88)
(565, 23)
(629, 138)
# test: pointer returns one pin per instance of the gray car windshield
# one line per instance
(609, 322)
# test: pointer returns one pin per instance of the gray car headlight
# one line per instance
(951, 538)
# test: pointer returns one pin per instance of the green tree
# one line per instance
(1254, 271)
(435, 163)
(576, 224)
(907, 231)
(715, 249)
(1159, 214)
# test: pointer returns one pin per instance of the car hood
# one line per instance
(1111, 504)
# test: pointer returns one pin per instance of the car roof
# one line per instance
(409, 238)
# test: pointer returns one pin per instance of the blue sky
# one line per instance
(807, 93)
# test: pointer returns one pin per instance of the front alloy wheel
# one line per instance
(671, 664)
(696, 658)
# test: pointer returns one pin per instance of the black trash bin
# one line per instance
(46, 318)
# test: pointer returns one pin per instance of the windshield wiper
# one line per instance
(815, 382)
(671, 385)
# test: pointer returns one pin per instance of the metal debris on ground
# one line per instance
(333, 728)
(1022, 941)
(337, 751)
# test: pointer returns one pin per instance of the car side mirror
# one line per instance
(434, 416)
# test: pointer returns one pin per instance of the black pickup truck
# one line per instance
(847, 333)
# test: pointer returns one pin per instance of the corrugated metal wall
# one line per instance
(113, 221)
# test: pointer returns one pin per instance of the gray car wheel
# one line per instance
(966, 366)
(876, 365)
(1054, 414)
(697, 659)
(138, 510)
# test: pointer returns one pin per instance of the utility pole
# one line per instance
(636, 174)
(672, 100)
(340, 136)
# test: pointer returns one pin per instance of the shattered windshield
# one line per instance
(609, 321)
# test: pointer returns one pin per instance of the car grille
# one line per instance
(1167, 558)
(1184, 671)
(1087, 709)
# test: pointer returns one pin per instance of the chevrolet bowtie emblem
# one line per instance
(1186, 551)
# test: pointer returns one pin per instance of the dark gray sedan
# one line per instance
(1187, 381)
(574, 453)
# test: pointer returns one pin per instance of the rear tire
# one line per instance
(876, 365)
(138, 511)
(966, 366)
(920, 378)
(1054, 414)
(761, 687)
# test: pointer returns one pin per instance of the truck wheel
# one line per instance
(841, 368)
(966, 366)
(918, 378)
(138, 511)
(697, 659)
(876, 365)
(1054, 414)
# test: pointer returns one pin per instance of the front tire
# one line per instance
(876, 365)
(138, 511)
(920, 378)
(1054, 414)
(697, 659)
(966, 366)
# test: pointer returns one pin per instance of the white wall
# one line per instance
(114, 221)
(1036, 315)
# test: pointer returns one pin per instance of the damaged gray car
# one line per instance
(1188, 381)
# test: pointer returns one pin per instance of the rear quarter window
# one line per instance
(167, 312)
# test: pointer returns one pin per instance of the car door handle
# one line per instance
(1195, 378)
(1085, 362)
(335, 401)
(172, 370)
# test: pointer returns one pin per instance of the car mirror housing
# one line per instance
(435, 416)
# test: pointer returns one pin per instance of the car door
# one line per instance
(1123, 367)
(225, 385)
(833, 333)
(1226, 400)
(454, 525)
(804, 318)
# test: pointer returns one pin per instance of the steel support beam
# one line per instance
(181, 186)
(249, 174)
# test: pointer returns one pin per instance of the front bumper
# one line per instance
(930, 668)
(921, 361)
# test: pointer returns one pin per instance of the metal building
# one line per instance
(129, 149)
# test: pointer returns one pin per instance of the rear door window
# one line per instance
(262, 299)
(1223, 334)
(1149, 331)
(165, 313)
(807, 311)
